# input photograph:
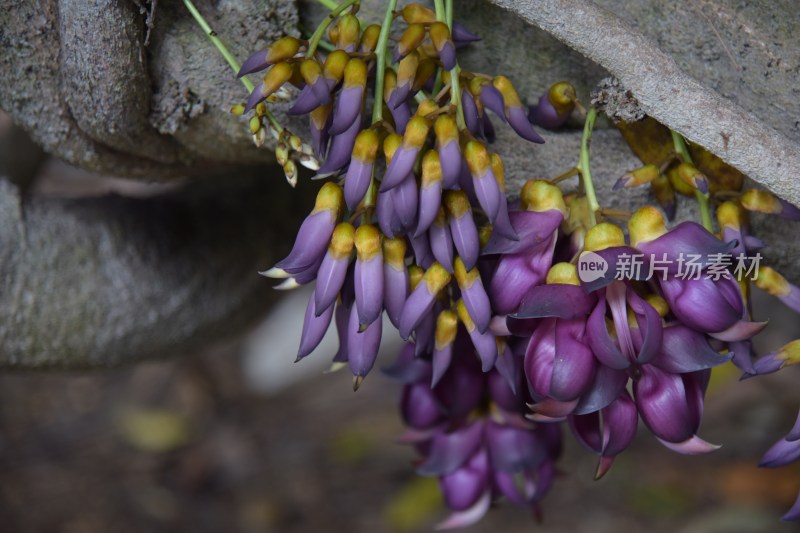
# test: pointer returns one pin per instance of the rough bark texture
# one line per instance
(84, 281)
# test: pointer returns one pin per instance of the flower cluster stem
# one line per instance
(444, 13)
(380, 62)
(223, 50)
(702, 199)
(585, 168)
(319, 33)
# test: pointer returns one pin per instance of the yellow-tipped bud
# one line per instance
(342, 241)
(283, 48)
(506, 88)
(310, 70)
(416, 132)
(640, 176)
(426, 107)
(690, 175)
(680, 186)
(456, 203)
(368, 242)
(407, 69)
(237, 110)
(446, 329)
(320, 115)
(390, 145)
(463, 315)
(761, 202)
(578, 218)
(290, 171)
(564, 274)
(659, 304)
(279, 74)
(446, 129)
(465, 278)
(498, 170)
(477, 157)
(441, 217)
(417, 14)
(411, 38)
(355, 73)
(335, 64)
(425, 71)
(540, 195)
(369, 39)
(770, 281)
(255, 125)
(349, 31)
(562, 97)
(730, 215)
(790, 353)
(436, 278)
(394, 252)
(415, 274)
(602, 236)
(330, 197)
(389, 84)
(440, 35)
(646, 224)
(366, 146)
(431, 169)
(484, 234)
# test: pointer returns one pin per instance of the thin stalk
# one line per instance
(585, 168)
(223, 50)
(336, 10)
(380, 62)
(330, 4)
(702, 199)
(444, 13)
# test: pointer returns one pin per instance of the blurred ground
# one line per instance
(185, 446)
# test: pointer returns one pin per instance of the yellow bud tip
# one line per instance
(276, 77)
(457, 203)
(407, 69)
(562, 97)
(498, 170)
(255, 125)
(426, 108)
(761, 202)
(366, 146)
(335, 64)
(771, 282)
(506, 88)
(659, 304)
(283, 48)
(415, 14)
(646, 224)
(692, 176)
(729, 215)
(463, 315)
(310, 70)
(436, 278)
(394, 252)
(640, 176)
(540, 195)
(329, 197)
(342, 241)
(431, 169)
(464, 278)
(368, 242)
(390, 145)
(484, 234)
(602, 236)
(564, 274)
(411, 38)
(237, 109)
(369, 39)
(446, 329)
(415, 274)
(416, 132)
(477, 158)
(357, 381)
(790, 353)
(440, 34)
(446, 129)
(355, 73)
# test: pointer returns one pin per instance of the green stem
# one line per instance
(336, 10)
(223, 50)
(330, 4)
(702, 199)
(444, 13)
(585, 168)
(380, 50)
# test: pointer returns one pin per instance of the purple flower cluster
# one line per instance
(505, 342)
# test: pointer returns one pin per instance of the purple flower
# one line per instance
(462, 226)
(333, 269)
(369, 282)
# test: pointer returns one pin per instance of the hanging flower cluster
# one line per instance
(520, 316)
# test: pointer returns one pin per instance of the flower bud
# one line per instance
(766, 202)
(369, 39)
(645, 225)
(443, 43)
(540, 195)
(417, 14)
(349, 30)
(637, 177)
(412, 37)
(563, 274)
(693, 177)
(282, 49)
(602, 236)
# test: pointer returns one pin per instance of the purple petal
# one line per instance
(470, 516)
(743, 356)
(513, 449)
(518, 120)
(407, 368)
(348, 109)
(694, 445)
(341, 149)
(362, 346)
(465, 238)
(330, 278)
(306, 102)
(781, 453)
(441, 362)
(545, 115)
(441, 245)
(689, 238)
(311, 242)
(532, 229)
(486, 346)
(450, 451)
(418, 304)
(462, 386)
(257, 61)
(607, 385)
(502, 226)
(419, 407)
(512, 279)
(685, 350)
(471, 117)
(423, 255)
(399, 168)
(388, 220)
(430, 200)
(559, 300)
(661, 400)
(448, 55)
(574, 364)
(701, 303)
(492, 99)
(604, 347)
(462, 35)
(406, 197)
(487, 129)
(401, 115)
(488, 193)
(450, 160)
(356, 182)
(395, 292)
(424, 333)
(742, 330)
(369, 289)
(342, 318)
(314, 328)
(477, 303)
(464, 487)
(793, 513)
